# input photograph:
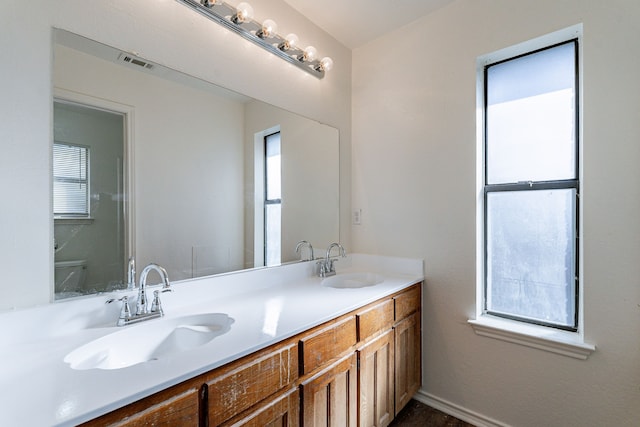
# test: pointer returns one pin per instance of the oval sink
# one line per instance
(352, 280)
(149, 341)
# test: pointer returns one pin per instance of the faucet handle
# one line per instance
(125, 311)
(156, 306)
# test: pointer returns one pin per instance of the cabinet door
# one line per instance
(376, 381)
(408, 372)
(329, 398)
(282, 411)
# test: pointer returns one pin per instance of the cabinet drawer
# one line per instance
(407, 302)
(327, 344)
(170, 407)
(241, 384)
(375, 320)
(282, 410)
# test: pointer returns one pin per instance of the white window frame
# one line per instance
(568, 343)
(259, 194)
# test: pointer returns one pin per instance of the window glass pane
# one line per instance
(531, 117)
(273, 166)
(70, 180)
(531, 254)
(272, 234)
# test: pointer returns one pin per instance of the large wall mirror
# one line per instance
(152, 163)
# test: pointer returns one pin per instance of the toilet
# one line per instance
(70, 276)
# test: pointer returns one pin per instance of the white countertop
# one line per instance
(267, 305)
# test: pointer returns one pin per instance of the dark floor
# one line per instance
(417, 414)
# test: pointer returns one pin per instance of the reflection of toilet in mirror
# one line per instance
(70, 276)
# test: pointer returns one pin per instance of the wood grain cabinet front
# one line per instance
(241, 384)
(329, 398)
(176, 406)
(283, 410)
(408, 345)
(374, 319)
(375, 378)
(327, 343)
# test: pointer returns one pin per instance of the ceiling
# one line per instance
(357, 22)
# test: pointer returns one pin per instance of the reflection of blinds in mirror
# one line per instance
(70, 180)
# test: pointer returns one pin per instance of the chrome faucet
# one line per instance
(142, 310)
(141, 306)
(299, 246)
(326, 265)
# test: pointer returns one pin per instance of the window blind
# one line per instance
(70, 180)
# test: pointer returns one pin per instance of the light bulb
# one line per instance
(309, 54)
(290, 42)
(209, 3)
(269, 28)
(326, 64)
(244, 12)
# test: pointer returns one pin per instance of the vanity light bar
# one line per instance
(240, 20)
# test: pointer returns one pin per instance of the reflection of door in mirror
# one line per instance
(88, 199)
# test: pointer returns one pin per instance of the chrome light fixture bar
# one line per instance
(240, 20)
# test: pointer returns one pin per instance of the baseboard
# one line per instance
(457, 411)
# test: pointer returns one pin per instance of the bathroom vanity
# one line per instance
(299, 349)
(315, 373)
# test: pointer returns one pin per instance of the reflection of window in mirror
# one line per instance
(88, 199)
(273, 199)
(70, 180)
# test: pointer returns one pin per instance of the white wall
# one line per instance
(165, 32)
(414, 118)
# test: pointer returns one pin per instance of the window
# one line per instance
(272, 200)
(531, 187)
(70, 180)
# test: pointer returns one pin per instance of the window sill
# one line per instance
(556, 341)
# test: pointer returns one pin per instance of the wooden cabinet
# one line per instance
(389, 356)
(408, 371)
(376, 396)
(359, 369)
(329, 398)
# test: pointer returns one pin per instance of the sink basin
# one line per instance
(149, 341)
(352, 280)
